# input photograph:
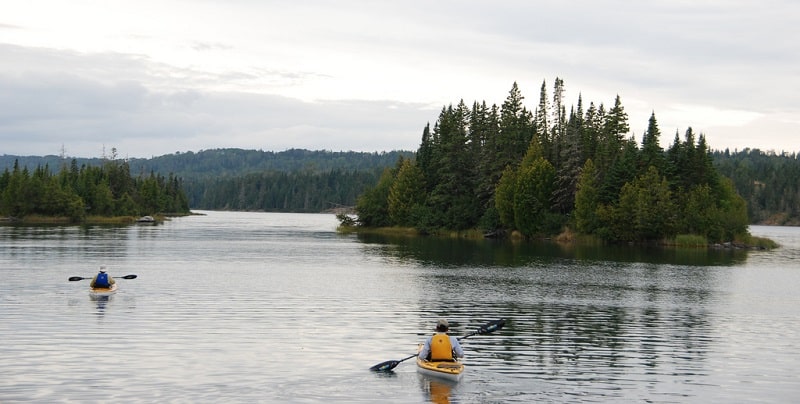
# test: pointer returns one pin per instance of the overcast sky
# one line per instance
(157, 77)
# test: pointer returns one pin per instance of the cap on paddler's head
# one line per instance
(442, 325)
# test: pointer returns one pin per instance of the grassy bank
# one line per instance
(569, 237)
(89, 220)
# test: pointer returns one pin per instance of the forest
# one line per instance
(768, 181)
(546, 172)
(294, 180)
(78, 192)
(299, 180)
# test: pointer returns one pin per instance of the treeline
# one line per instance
(229, 162)
(509, 169)
(768, 181)
(278, 191)
(300, 180)
(76, 192)
(294, 180)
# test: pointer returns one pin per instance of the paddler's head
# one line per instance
(442, 325)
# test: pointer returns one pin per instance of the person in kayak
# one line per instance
(440, 346)
(102, 280)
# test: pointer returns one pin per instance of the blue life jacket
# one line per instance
(101, 281)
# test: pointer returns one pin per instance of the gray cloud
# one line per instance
(43, 110)
(726, 68)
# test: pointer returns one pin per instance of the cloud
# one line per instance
(43, 110)
(156, 77)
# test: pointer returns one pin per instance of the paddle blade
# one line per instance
(129, 277)
(492, 326)
(385, 366)
(76, 278)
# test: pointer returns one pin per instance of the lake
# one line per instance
(269, 307)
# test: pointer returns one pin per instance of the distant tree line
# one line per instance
(509, 169)
(216, 163)
(229, 162)
(277, 191)
(75, 192)
(768, 181)
(294, 180)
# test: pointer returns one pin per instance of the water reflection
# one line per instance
(436, 391)
(456, 252)
(597, 315)
(101, 302)
(65, 242)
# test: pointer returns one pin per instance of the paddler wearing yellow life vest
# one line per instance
(440, 346)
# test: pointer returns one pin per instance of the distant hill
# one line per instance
(228, 162)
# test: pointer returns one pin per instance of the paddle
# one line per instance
(487, 328)
(79, 278)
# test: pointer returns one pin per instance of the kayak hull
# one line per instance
(447, 370)
(104, 291)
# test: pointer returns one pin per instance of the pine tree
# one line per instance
(406, 194)
(655, 212)
(541, 122)
(504, 197)
(514, 131)
(372, 207)
(652, 154)
(533, 191)
(571, 159)
(558, 132)
(587, 199)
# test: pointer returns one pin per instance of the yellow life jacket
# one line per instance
(441, 349)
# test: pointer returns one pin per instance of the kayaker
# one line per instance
(440, 346)
(102, 280)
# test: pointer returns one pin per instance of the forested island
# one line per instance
(103, 193)
(543, 173)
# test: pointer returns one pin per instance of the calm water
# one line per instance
(261, 307)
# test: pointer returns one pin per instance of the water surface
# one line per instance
(265, 307)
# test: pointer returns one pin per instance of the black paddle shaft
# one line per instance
(80, 278)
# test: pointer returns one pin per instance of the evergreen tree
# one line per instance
(514, 131)
(622, 171)
(616, 123)
(425, 154)
(454, 193)
(652, 154)
(541, 122)
(587, 199)
(406, 195)
(558, 131)
(533, 189)
(571, 162)
(372, 207)
(655, 212)
(504, 197)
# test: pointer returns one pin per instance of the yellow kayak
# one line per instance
(448, 370)
(104, 291)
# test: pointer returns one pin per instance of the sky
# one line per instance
(146, 78)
